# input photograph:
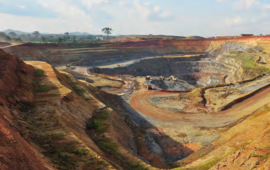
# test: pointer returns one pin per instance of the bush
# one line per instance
(97, 125)
(111, 146)
(79, 89)
(39, 73)
(42, 88)
(104, 115)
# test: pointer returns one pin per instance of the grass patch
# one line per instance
(79, 89)
(249, 64)
(110, 146)
(39, 73)
(104, 114)
(42, 88)
(207, 165)
(92, 89)
(262, 111)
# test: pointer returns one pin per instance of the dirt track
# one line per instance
(219, 119)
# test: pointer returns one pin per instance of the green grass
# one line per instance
(39, 73)
(79, 89)
(42, 88)
(207, 165)
(110, 146)
(98, 125)
(104, 114)
(248, 63)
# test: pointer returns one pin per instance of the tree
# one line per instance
(12, 34)
(74, 39)
(107, 31)
(36, 34)
(66, 36)
(43, 39)
(59, 40)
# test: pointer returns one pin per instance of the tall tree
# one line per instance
(36, 34)
(107, 31)
(66, 36)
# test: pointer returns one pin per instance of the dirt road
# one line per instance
(142, 104)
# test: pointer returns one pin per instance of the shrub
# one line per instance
(98, 126)
(39, 73)
(42, 88)
(79, 90)
(104, 115)
(111, 146)
(59, 153)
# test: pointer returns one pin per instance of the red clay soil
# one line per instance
(186, 45)
(15, 151)
(142, 104)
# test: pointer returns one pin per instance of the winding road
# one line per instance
(142, 104)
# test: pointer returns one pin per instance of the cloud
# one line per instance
(156, 8)
(28, 8)
(246, 4)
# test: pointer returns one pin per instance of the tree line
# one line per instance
(36, 36)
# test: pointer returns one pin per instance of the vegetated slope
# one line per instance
(43, 117)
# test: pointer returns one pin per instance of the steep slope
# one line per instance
(44, 116)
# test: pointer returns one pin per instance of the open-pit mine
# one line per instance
(168, 104)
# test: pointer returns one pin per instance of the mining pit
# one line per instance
(179, 99)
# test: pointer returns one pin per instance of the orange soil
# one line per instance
(142, 104)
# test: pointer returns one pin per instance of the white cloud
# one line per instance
(266, 7)
(165, 14)
(121, 3)
(156, 8)
(237, 21)
(245, 4)
(23, 7)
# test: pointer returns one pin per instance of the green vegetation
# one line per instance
(201, 156)
(249, 65)
(39, 73)
(91, 89)
(79, 89)
(42, 88)
(110, 146)
(104, 115)
(98, 125)
(261, 111)
(207, 165)
(253, 154)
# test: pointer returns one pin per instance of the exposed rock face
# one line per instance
(192, 70)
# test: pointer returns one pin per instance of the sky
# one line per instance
(168, 17)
